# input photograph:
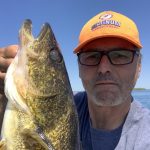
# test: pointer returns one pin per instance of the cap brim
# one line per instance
(81, 45)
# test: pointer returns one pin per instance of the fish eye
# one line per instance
(55, 55)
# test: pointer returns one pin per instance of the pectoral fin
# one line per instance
(3, 145)
(11, 90)
(39, 137)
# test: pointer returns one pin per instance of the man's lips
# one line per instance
(106, 83)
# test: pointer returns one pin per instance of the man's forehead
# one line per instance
(109, 43)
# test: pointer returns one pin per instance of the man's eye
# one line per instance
(120, 55)
(92, 56)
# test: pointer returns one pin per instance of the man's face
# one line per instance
(107, 84)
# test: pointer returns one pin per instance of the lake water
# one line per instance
(143, 96)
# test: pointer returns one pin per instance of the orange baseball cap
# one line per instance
(108, 24)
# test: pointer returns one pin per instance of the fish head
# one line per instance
(40, 68)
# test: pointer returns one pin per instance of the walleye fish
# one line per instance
(40, 113)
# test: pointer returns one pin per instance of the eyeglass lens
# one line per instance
(116, 57)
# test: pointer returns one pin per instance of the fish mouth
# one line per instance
(25, 33)
(27, 26)
(45, 29)
(44, 40)
(26, 30)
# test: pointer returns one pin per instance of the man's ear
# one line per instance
(79, 70)
(139, 70)
(139, 66)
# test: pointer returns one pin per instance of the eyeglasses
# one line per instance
(115, 56)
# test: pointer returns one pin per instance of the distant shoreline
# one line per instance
(140, 89)
(135, 89)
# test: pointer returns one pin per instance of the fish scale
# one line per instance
(40, 114)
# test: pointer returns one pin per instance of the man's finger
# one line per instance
(2, 77)
(9, 51)
(4, 63)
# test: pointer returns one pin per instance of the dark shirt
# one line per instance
(94, 139)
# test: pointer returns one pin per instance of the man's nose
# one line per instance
(104, 65)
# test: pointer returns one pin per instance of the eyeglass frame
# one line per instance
(106, 53)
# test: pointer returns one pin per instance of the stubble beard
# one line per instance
(108, 95)
(107, 98)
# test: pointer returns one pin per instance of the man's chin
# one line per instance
(108, 98)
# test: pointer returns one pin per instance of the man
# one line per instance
(109, 58)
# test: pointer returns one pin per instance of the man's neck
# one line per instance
(108, 118)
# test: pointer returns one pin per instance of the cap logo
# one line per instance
(106, 16)
(106, 21)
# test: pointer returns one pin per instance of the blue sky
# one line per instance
(67, 18)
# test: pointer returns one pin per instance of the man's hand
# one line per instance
(6, 56)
